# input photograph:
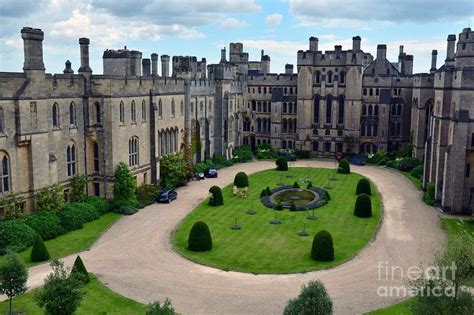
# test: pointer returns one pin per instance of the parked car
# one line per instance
(167, 195)
(210, 172)
(199, 176)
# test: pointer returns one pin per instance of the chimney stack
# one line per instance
(434, 56)
(313, 44)
(450, 49)
(381, 52)
(154, 64)
(84, 44)
(223, 59)
(165, 66)
(288, 69)
(356, 43)
(33, 48)
(146, 67)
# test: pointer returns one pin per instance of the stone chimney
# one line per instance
(154, 64)
(288, 69)
(450, 48)
(146, 72)
(356, 43)
(434, 56)
(165, 66)
(33, 48)
(381, 52)
(313, 44)
(84, 44)
(223, 58)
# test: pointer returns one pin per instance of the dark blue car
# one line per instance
(210, 173)
(167, 195)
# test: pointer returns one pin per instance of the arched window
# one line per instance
(160, 108)
(284, 107)
(371, 92)
(133, 112)
(286, 91)
(377, 91)
(369, 129)
(340, 117)
(98, 116)
(375, 127)
(259, 90)
(72, 114)
(316, 109)
(327, 146)
(173, 109)
(269, 107)
(329, 110)
(290, 125)
(393, 110)
(399, 109)
(290, 107)
(315, 146)
(376, 110)
(264, 90)
(394, 91)
(133, 151)
(318, 77)
(55, 115)
(370, 110)
(291, 90)
(71, 159)
(96, 157)
(329, 77)
(259, 107)
(365, 91)
(264, 107)
(342, 78)
(122, 113)
(294, 125)
(294, 108)
(285, 126)
(259, 125)
(364, 110)
(143, 110)
(327, 132)
(254, 105)
(4, 174)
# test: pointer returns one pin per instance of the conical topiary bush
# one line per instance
(79, 269)
(200, 239)
(39, 251)
(323, 247)
(363, 187)
(363, 206)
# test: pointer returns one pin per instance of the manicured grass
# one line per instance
(260, 247)
(74, 241)
(98, 299)
(403, 308)
(414, 180)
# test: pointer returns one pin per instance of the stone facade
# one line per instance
(55, 126)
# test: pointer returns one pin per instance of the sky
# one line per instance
(202, 27)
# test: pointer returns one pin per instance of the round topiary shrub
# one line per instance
(363, 187)
(363, 206)
(281, 164)
(216, 199)
(200, 239)
(344, 167)
(39, 251)
(241, 180)
(323, 247)
(79, 269)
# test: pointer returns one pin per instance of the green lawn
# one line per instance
(74, 241)
(260, 247)
(414, 180)
(403, 308)
(98, 299)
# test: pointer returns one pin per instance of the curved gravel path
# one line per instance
(135, 257)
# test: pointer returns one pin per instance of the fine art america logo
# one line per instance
(436, 277)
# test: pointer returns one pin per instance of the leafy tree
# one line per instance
(146, 194)
(363, 206)
(39, 251)
(50, 198)
(13, 205)
(242, 154)
(124, 187)
(323, 247)
(78, 188)
(455, 263)
(216, 199)
(349, 140)
(313, 299)
(200, 239)
(61, 293)
(80, 268)
(156, 309)
(13, 277)
(363, 187)
(241, 180)
(174, 170)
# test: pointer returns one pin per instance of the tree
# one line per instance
(13, 277)
(39, 251)
(200, 239)
(444, 291)
(174, 171)
(50, 198)
(124, 187)
(78, 188)
(13, 204)
(80, 269)
(363, 206)
(323, 247)
(349, 140)
(241, 180)
(363, 187)
(313, 299)
(216, 199)
(61, 293)
(156, 309)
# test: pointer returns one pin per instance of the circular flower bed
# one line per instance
(303, 199)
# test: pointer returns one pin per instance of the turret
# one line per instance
(356, 43)
(146, 67)
(33, 48)
(434, 56)
(465, 47)
(165, 66)
(381, 52)
(338, 50)
(223, 58)
(68, 68)
(265, 63)
(135, 63)
(288, 69)
(84, 44)
(408, 65)
(154, 64)
(313, 44)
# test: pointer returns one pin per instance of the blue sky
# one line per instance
(202, 27)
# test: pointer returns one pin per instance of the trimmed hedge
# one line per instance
(100, 204)
(75, 214)
(127, 210)
(407, 164)
(241, 180)
(281, 164)
(46, 224)
(343, 167)
(216, 199)
(146, 195)
(417, 171)
(39, 251)
(15, 236)
(323, 247)
(363, 187)
(79, 269)
(200, 239)
(363, 206)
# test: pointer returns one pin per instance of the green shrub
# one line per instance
(417, 171)
(100, 204)
(393, 164)
(344, 167)
(216, 199)
(12, 204)
(146, 195)
(124, 187)
(407, 164)
(50, 198)
(429, 195)
(296, 185)
(80, 270)
(279, 207)
(263, 193)
(15, 236)
(39, 251)
(293, 207)
(312, 300)
(269, 191)
(78, 188)
(242, 154)
(127, 209)
(75, 214)
(363, 206)
(46, 224)
(327, 196)
(218, 159)
(363, 187)
(156, 309)
(200, 167)
(323, 247)
(309, 186)
(266, 151)
(241, 180)
(200, 239)
(281, 164)
(302, 154)
(174, 170)
(228, 163)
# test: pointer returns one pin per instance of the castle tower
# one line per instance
(465, 47)
(313, 44)
(288, 69)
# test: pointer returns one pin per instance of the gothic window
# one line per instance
(315, 146)
(340, 118)
(370, 110)
(375, 127)
(365, 91)
(327, 146)
(160, 108)
(286, 91)
(259, 107)
(316, 110)
(98, 116)
(376, 110)
(173, 109)
(318, 77)
(364, 110)
(329, 110)
(294, 108)
(394, 91)
(371, 92)
(329, 77)
(342, 78)
(71, 159)
(133, 112)
(291, 90)
(133, 151)
(264, 107)
(259, 90)
(122, 113)
(294, 125)
(284, 107)
(72, 114)
(259, 125)
(377, 92)
(285, 126)
(264, 90)
(290, 107)
(96, 157)
(393, 110)
(399, 91)
(327, 132)
(4, 174)
(55, 115)
(269, 107)
(143, 110)
(399, 109)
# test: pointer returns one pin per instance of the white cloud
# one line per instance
(232, 23)
(273, 19)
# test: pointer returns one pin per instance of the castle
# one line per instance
(53, 126)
